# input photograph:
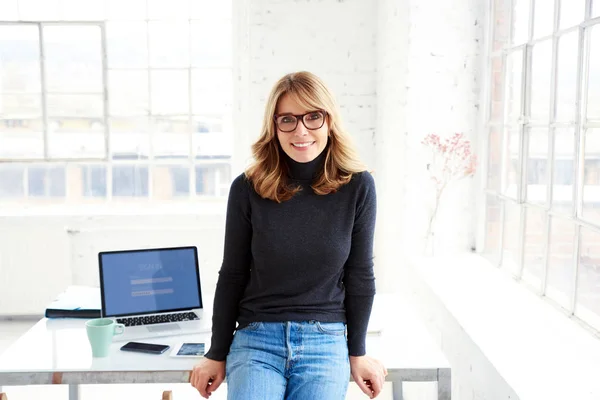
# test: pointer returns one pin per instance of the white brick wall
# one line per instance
(334, 39)
(399, 69)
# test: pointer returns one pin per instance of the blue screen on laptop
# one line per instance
(147, 281)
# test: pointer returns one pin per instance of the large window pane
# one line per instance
(493, 228)
(497, 89)
(170, 92)
(510, 237)
(169, 44)
(566, 89)
(126, 10)
(128, 92)
(211, 44)
(564, 171)
(170, 181)
(129, 138)
(12, 183)
(571, 13)
(9, 9)
(512, 93)
(494, 170)
(73, 58)
(46, 181)
(127, 44)
(541, 67)
(93, 181)
(511, 164)
(534, 247)
(21, 138)
(587, 305)
(593, 88)
(561, 268)
(537, 166)
(212, 90)
(210, 142)
(83, 10)
(39, 10)
(520, 21)
(75, 105)
(213, 179)
(76, 138)
(19, 59)
(171, 137)
(591, 177)
(543, 23)
(130, 180)
(20, 106)
(595, 8)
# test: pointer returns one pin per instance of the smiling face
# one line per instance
(302, 144)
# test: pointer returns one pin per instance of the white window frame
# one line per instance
(580, 124)
(191, 161)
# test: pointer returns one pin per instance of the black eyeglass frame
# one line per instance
(300, 117)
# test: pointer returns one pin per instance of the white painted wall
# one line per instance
(445, 59)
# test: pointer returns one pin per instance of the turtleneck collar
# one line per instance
(305, 171)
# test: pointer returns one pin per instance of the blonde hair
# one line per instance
(269, 172)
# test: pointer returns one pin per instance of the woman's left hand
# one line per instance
(369, 374)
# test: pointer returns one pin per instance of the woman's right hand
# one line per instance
(207, 376)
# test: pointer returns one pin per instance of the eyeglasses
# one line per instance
(312, 120)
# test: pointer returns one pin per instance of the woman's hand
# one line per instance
(207, 376)
(369, 374)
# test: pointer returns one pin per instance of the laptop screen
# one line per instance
(149, 281)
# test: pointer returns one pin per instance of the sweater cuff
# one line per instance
(358, 311)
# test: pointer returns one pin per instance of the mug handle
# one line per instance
(121, 327)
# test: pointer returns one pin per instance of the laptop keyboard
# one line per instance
(157, 319)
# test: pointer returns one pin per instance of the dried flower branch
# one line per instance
(452, 160)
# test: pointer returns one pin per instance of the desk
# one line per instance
(56, 351)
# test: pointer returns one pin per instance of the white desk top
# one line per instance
(57, 351)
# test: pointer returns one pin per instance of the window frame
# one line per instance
(190, 160)
(579, 125)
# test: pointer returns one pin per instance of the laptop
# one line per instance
(153, 292)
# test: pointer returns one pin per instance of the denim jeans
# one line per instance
(288, 360)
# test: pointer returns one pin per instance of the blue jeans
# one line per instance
(288, 360)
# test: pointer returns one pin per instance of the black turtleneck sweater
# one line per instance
(308, 258)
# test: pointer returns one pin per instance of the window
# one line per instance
(131, 101)
(94, 181)
(46, 181)
(543, 130)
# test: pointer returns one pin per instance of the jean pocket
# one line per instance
(331, 328)
(252, 326)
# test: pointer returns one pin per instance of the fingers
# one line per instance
(376, 386)
(364, 386)
(214, 385)
(200, 382)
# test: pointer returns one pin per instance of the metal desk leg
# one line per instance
(73, 392)
(397, 390)
(444, 384)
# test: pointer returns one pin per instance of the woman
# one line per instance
(297, 271)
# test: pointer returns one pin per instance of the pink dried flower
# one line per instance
(452, 160)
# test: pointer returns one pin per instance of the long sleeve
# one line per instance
(235, 270)
(359, 279)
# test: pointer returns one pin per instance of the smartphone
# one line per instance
(145, 347)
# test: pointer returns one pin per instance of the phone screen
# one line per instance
(145, 347)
